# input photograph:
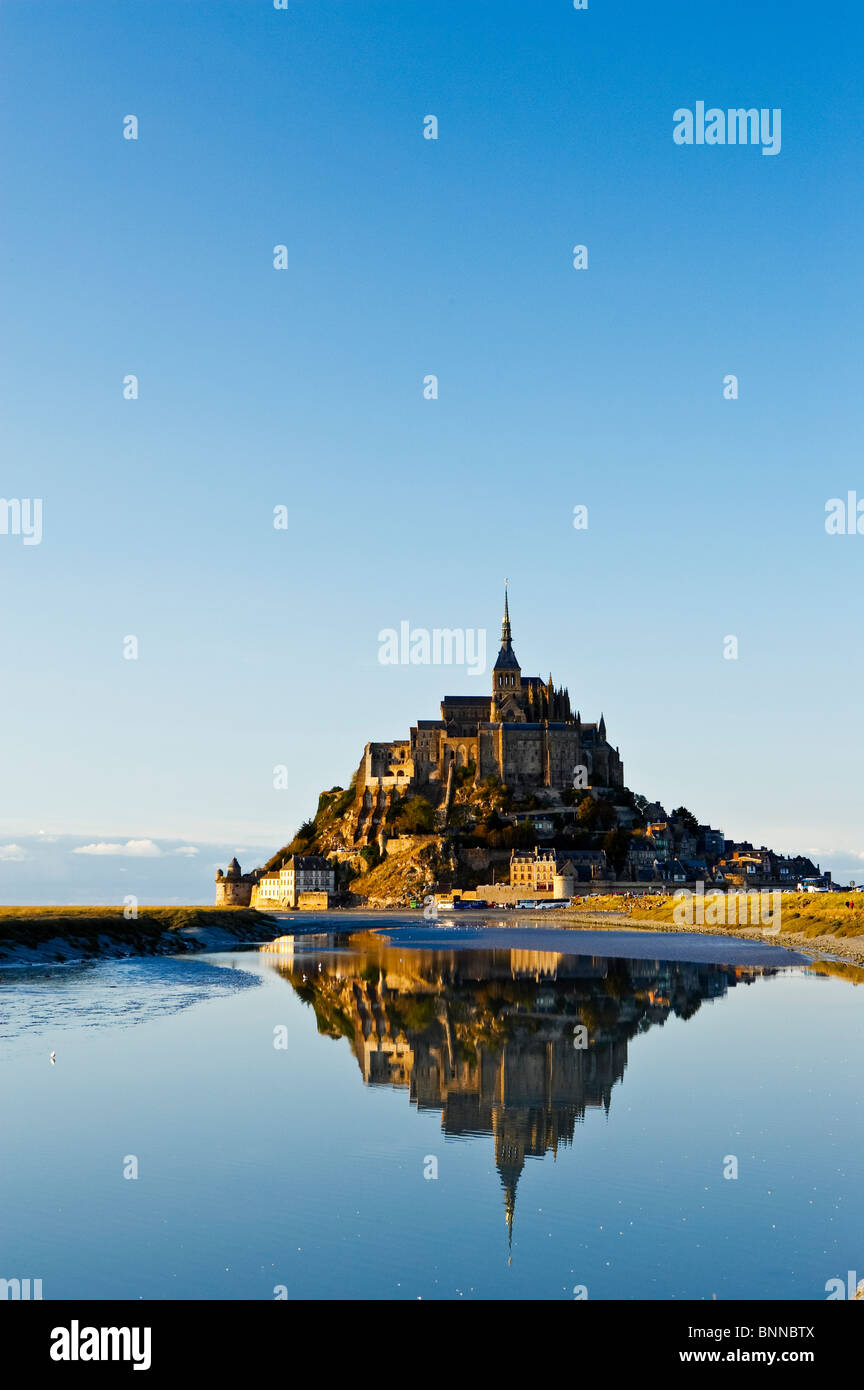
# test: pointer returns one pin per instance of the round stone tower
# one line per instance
(233, 888)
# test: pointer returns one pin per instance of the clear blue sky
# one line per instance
(304, 387)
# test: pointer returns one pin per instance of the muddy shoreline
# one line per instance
(72, 944)
(849, 948)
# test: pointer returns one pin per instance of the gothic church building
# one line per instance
(524, 733)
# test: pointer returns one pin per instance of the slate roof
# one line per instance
(506, 660)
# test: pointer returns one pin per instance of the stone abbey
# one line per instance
(524, 733)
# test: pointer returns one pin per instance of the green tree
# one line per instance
(465, 774)
(416, 817)
(616, 844)
(345, 872)
(371, 855)
(343, 801)
(596, 815)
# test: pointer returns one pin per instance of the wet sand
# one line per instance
(529, 934)
(849, 948)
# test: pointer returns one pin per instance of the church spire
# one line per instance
(507, 674)
(506, 635)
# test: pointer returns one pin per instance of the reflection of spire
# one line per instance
(509, 1131)
(509, 1185)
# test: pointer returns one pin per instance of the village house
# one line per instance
(534, 869)
(300, 875)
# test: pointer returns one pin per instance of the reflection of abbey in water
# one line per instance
(492, 1038)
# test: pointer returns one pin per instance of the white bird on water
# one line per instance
(52, 1059)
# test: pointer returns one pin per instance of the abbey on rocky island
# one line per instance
(524, 735)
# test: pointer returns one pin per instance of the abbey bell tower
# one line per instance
(507, 675)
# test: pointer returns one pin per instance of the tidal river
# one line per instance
(407, 1112)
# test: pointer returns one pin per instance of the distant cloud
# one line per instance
(12, 854)
(819, 851)
(186, 850)
(136, 849)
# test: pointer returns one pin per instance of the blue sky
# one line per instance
(303, 387)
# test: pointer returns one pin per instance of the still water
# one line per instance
(463, 1112)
